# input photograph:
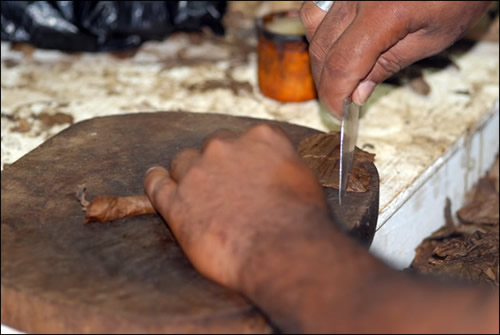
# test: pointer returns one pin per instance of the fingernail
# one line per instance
(151, 168)
(363, 92)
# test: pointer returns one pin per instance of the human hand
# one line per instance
(234, 198)
(250, 215)
(359, 44)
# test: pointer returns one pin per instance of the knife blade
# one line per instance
(348, 130)
(324, 5)
(348, 138)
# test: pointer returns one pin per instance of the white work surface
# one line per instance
(413, 136)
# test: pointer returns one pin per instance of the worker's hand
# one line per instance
(235, 198)
(359, 44)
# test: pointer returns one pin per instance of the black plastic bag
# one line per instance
(104, 25)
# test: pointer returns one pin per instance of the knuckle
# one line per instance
(264, 131)
(390, 63)
(398, 15)
(393, 14)
(272, 134)
(195, 175)
(317, 52)
(216, 146)
(174, 164)
(183, 158)
(337, 66)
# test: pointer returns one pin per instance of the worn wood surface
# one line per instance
(59, 275)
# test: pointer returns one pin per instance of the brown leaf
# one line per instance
(23, 126)
(480, 212)
(321, 152)
(493, 174)
(50, 120)
(472, 257)
(420, 86)
(105, 208)
(467, 251)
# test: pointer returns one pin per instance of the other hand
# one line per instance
(235, 198)
(359, 44)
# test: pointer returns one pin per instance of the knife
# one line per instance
(324, 5)
(348, 138)
(348, 130)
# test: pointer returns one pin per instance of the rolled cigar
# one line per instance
(105, 208)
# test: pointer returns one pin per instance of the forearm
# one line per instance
(303, 280)
(402, 303)
(325, 282)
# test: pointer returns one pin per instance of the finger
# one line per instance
(311, 16)
(423, 38)
(271, 135)
(356, 52)
(221, 134)
(413, 47)
(182, 162)
(336, 21)
(160, 189)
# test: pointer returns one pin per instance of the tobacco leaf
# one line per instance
(493, 175)
(23, 126)
(483, 209)
(236, 87)
(105, 208)
(50, 120)
(480, 212)
(471, 257)
(321, 152)
(420, 86)
(228, 82)
(468, 251)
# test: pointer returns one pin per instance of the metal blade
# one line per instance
(348, 137)
(324, 5)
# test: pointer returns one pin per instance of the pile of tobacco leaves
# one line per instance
(466, 250)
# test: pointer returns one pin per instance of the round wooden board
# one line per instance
(59, 275)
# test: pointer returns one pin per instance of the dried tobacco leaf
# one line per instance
(483, 209)
(472, 257)
(480, 212)
(105, 208)
(23, 126)
(420, 86)
(493, 175)
(469, 251)
(50, 120)
(235, 86)
(321, 152)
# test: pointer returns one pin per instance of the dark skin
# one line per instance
(359, 44)
(250, 215)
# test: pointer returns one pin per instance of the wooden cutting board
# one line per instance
(59, 275)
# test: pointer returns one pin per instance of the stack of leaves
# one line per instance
(321, 152)
(467, 250)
